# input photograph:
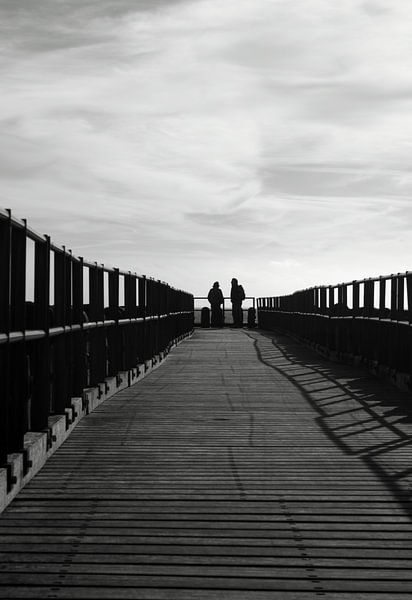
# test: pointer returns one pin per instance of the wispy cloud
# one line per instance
(203, 140)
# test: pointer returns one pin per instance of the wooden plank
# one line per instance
(286, 560)
(130, 593)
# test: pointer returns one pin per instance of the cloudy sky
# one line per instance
(201, 140)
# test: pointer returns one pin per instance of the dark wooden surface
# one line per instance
(243, 468)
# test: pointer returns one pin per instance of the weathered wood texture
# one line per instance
(243, 468)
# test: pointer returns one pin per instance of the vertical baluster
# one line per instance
(149, 323)
(142, 296)
(40, 407)
(59, 343)
(68, 321)
(68, 301)
(356, 297)
(340, 294)
(382, 296)
(96, 292)
(5, 322)
(79, 381)
(322, 300)
(368, 301)
(409, 294)
(344, 296)
(394, 297)
(59, 305)
(97, 335)
(331, 294)
(18, 390)
(5, 273)
(114, 295)
(113, 333)
(130, 296)
(18, 279)
(130, 300)
(401, 296)
(142, 343)
(78, 309)
(157, 286)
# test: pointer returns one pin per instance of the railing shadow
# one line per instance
(364, 416)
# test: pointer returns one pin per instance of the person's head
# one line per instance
(216, 284)
(234, 281)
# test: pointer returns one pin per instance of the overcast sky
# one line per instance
(201, 140)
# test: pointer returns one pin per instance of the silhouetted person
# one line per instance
(215, 298)
(237, 295)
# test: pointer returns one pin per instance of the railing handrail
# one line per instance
(226, 298)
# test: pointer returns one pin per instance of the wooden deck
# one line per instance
(243, 468)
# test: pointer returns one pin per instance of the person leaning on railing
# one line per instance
(215, 298)
(237, 295)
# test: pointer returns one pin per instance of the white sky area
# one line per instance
(199, 141)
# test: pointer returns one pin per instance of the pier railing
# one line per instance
(202, 302)
(369, 320)
(67, 325)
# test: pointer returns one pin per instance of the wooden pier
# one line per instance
(245, 467)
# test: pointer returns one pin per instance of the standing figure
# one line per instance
(237, 295)
(215, 298)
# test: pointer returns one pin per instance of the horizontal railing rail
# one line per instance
(369, 320)
(226, 300)
(68, 324)
(226, 307)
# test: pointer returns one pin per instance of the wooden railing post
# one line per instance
(382, 295)
(369, 297)
(62, 367)
(114, 333)
(409, 294)
(19, 365)
(79, 373)
(97, 354)
(40, 408)
(5, 325)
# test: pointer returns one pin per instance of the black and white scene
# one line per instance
(205, 300)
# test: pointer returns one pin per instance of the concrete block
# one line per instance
(122, 380)
(69, 417)
(92, 398)
(57, 426)
(3, 489)
(78, 412)
(98, 394)
(35, 444)
(140, 371)
(15, 463)
(109, 388)
(133, 375)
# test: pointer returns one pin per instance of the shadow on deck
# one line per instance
(245, 467)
